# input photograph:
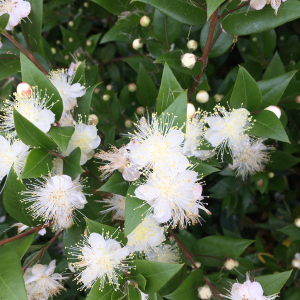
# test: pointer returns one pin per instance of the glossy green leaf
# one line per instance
(135, 62)
(21, 245)
(242, 23)
(113, 7)
(9, 66)
(3, 21)
(72, 165)
(80, 74)
(133, 293)
(38, 163)
(94, 40)
(278, 157)
(12, 285)
(261, 180)
(35, 77)
(272, 284)
(246, 92)
(30, 134)
(267, 125)
(291, 230)
(202, 168)
(116, 184)
(70, 39)
(275, 68)
(97, 294)
(168, 91)
(61, 136)
(146, 89)
(135, 210)
(263, 44)
(184, 11)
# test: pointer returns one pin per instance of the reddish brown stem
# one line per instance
(56, 154)
(230, 11)
(2, 57)
(155, 35)
(201, 4)
(28, 54)
(166, 32)
(215, 39)
(89, 173)
(25, 36)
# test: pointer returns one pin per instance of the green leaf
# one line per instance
(12, 199)
(278, 157)
(263, 44)
(291, 230)
(212, 5)
(135, 210)
(35, 77)
(61, 136)
(261, 177)
(140, 280)
(94, 38)
(3, 21)
(146, 89)
(254, 21)
(80, 74)
(275, 68)
(168, 91)
(209, 247)
(273, 89)
(133, 293)
(115, 7)
(30, 134)
(97, 294)
(135, 61)
(33, 25)
(72, 165)
(188, 290)
(184, 11)
(9, 66)
(116, 184)
(38, 163)
(272, 284)
(156, 274)
(12, 285)
(202, 168)
(267, 125)
(70, 39)
(21, 245)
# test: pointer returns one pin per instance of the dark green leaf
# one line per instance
(291, 230)
(212, 5)
(116, 184)
(3, 21)
(9, 66)
(263, 44)
(278, 157)
(61, 136)
(133, 293)
(97, 294)
(80, 74)
(275, 68)
(113, 7)
(72, 165)
(21, 245)
(202, 168)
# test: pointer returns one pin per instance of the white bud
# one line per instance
(93, 120)
(85, 4)
(275, 110)
(109, 87)
(202, 97)
(80, 10)
(296, 263)
(96, 90)
(24, 89)
(188, 60)
(88, 67)
(132, 87)
(53, 50)
(192, 45)
(236, 263)
(229, 264)
(204, 292)
(58, 42)
(254, 39)
(297, 100)
(106, 97)
(128, 123)
(136, 44)
(78, 54)
(271, 174)
(70, 39)
(145, 21)
(190, 112)
(297, 222)
(71, 23)
(66, 57)
(218, 97)
(89, 43)
(140, 110)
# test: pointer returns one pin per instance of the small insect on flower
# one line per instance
(34, 108)
(164, 254)
(147, 234)
(100, 258)
(42, 283)
(116, 205)
(56, 199)
(17, 10)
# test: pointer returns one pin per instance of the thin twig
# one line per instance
(56, 154)
(155, 36)
(166, 32)
(215, 39)
(2, 57)
(201, 4)
(230, 11)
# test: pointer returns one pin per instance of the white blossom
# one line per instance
(42, 283)
(147, 234)
(56, 199)
(85, 137)
(260, 4)
(116, 205)
(17, 10)
(100, 258)
(164, 254)
(12, 153)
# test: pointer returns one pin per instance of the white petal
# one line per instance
(258, 4)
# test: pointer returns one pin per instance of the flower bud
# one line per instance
(275, 110)
(202, 97)
(140, 110)
(70, 40)
(53, 50)
(136, 44)
(229, 264)
(96, 90)
(297, 222)
(88, 67)
(296, 263)
(218, 97)
(85, 4)
(128, 123)
(297, 100)
(145, 21)
(204, 292)
(66, 57)
(188, 60)
(190, 112)
(80, 10)
(89, 43)
(271, 175)
(132, 87)
(24, 89)
(58, 42)
(93, 120)
(236, 263)
(254, 39)
(106, 97)
(71, 23)
(192, 45)
(109, 87)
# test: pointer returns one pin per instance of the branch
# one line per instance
(56, 154)
(29, 55)
(215, 39)
(201, 4)
(230, 11)
(166, 32)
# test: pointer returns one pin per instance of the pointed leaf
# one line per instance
(116, 184)
(80, 74)
(291, 230)
(61, 136)
(3, 21)
(275, 68)
(212, 5)
(97, 294)
(72, 165)
(277, 157)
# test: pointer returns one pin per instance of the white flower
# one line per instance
(33, 107)
(116, 204)
(193, 136)
(164, 254)
(296, 261)
(68, 91)
(188, 60)
(66, 119)
(42, 283)
(205, 292)
(85, 137)
(172, 195)
(251, 158)
(100, 258)
(147, 234)
(17, 10)
(230, 264)
(158, 144)
(22, 227)
(228, 128)
(248, 291)
(56, 199)
(260, 4)
(119, 160)
(12, 153)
